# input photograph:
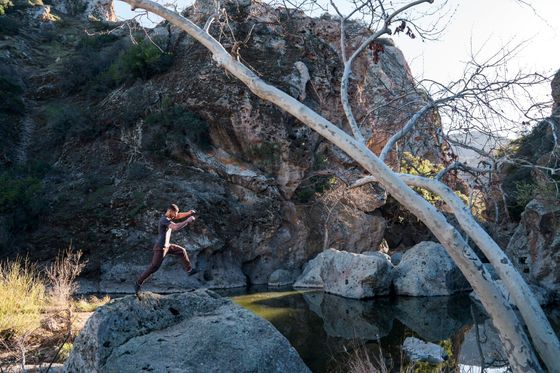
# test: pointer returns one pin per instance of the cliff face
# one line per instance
(535, 244)
(111, 145)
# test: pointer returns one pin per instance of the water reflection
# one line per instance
(324, 328)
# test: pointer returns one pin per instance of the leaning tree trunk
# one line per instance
(516, 344)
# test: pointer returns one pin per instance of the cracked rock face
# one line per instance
(535, 244)
(186, 332)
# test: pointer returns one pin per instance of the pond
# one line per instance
(327, 330)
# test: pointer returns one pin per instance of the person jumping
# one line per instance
(162, 245)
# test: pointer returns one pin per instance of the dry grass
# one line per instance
(37, 309)
(90, 304)
(62, 274)
(22, 299)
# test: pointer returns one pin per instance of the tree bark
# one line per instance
(520, 353)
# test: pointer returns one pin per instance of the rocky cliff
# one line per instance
(533, 192)
(105, 132)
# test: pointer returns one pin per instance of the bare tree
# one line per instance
(384, 15)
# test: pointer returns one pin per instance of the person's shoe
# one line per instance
(193, 271)
(137, 290)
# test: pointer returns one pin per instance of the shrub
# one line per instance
(22, 300)
(65, 350)
(69, 120)
(142, 60)
(4, 5)
(17, 192)
(87, 68)
(62, 274)
(313, 186)
(176, 127)
(413, 165)
(103, 61)
(520, 183)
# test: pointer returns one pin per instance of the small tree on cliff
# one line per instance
(477, 88)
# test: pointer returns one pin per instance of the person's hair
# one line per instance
(173, 207)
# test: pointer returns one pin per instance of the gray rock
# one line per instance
(356, 275)
(396, 258)
(542, 295)
(348, 274)
(311, 276)
(535, 245)
(418, 350)
(188, 332)
(556, 90)
(427, 270)
(102, 10)
(282, 277)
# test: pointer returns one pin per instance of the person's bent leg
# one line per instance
(182, 254)
(157, 259)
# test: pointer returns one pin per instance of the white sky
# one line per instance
(489, 23)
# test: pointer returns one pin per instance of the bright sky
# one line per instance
(490, 24)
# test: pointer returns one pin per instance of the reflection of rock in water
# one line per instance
(492, 348)
(434, 318)
(351, 318)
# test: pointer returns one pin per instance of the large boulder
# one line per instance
(535, 244)
(427, 270)
(347, 274)
(186, 332)
(357, 275)
(311, 276)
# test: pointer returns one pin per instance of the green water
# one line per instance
(325, 329)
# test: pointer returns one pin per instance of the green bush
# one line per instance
(519, 183)
(18, 192)
(176, 127)
(87, 69)
(4, 5)
(69, 120)
(142, 60)
(103, 62)
(313, 186)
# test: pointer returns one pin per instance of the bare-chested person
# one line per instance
(163, 246)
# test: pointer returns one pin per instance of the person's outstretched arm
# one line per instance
(183, 215)
(177, 226)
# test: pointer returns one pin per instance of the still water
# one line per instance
(327, 330)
